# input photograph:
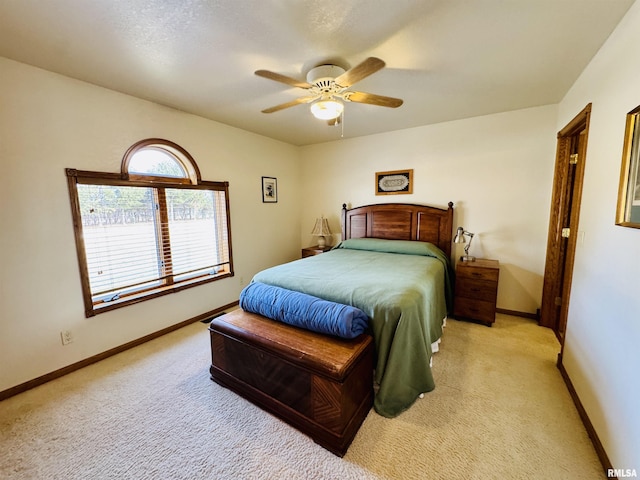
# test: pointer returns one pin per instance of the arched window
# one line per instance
(154, 229)
(160, 158)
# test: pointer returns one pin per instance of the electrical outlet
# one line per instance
(66, 336)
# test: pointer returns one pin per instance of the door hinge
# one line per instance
(558, 301)
(573, 159)
(566, 232)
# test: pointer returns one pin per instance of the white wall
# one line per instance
(48, 123)
(602, 347)
(497, 169)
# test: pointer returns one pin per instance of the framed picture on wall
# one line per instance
(628, 211)
(269, 190)
(394, 182)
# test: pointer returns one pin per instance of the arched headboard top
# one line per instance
(400, 221)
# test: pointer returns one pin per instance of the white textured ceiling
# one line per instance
(448, 59)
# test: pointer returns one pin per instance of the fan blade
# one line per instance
(282, 79)
(371, 99)
(359, 72)
(292, 103)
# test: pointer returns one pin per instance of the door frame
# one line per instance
(559, 258)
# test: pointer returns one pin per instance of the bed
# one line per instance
(393, 263)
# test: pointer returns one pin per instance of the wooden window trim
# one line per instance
(177, 152)
(159, 186)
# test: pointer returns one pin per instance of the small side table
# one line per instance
(477, 290)
(315, 250)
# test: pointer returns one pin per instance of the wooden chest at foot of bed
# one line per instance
(319, 384)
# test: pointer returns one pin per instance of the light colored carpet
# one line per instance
(500, 410)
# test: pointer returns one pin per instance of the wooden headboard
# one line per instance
(400, 221)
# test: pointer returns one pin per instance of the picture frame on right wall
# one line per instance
(628, 211)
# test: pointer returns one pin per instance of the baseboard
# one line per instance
(515, 313)
(602, 454)
(23, 387)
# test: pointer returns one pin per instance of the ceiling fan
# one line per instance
(328, 86)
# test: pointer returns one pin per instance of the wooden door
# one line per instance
(563, 222)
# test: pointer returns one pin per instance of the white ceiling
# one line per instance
(448, 59)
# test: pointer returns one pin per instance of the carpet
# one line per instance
(500, 410)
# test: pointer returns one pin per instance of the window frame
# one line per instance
(159, 185)
(176, 151)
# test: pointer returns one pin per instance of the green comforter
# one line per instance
(404, 288)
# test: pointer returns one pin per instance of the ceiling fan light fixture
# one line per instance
(327, 109)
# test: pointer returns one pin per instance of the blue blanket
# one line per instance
(302, 310)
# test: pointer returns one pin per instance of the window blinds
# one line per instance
(140, 238)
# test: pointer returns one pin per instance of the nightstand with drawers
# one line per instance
(476, 290)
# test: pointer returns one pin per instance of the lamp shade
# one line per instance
(321, 228)
(459, 238)
(327, 109)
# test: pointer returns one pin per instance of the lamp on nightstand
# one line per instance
(459, 238)
(321, 230)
